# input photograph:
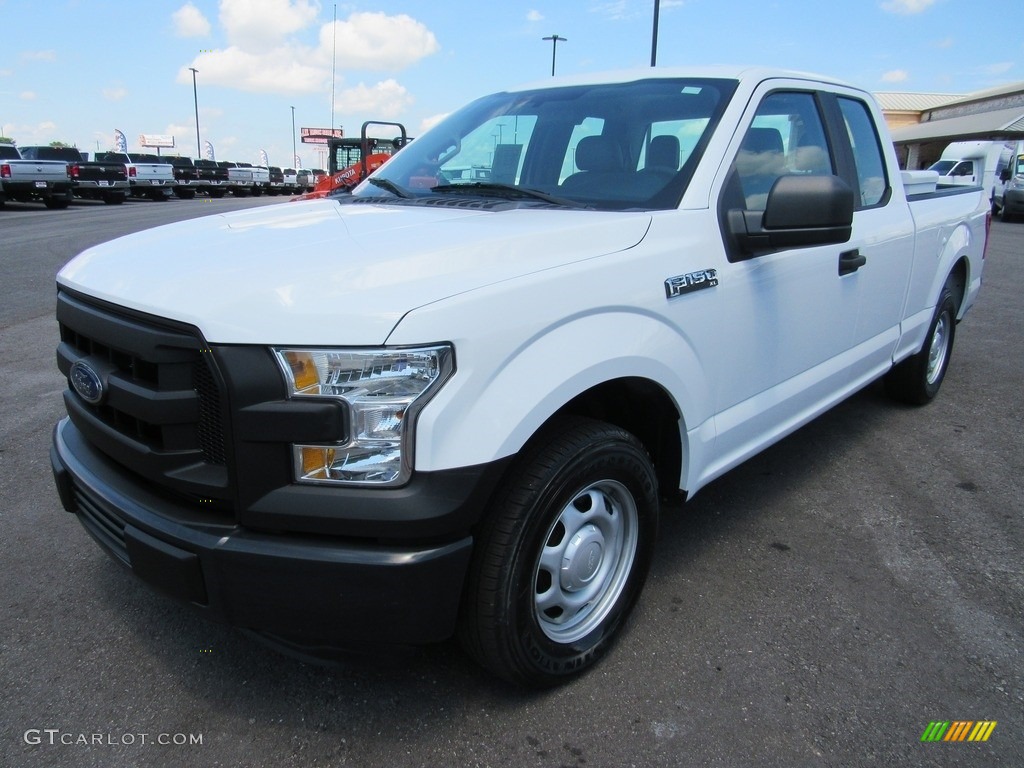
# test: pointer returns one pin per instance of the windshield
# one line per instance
(942, 166)
(623, 146)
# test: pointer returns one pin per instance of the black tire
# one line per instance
(917, 379)
(572, 526)
(185, 194)
(57, 203)
(113, 199)
(217, 193)
(1004, 215)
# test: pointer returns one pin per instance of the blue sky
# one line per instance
(74, 70)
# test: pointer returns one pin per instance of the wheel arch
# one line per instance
(958, 280)
(643, 408)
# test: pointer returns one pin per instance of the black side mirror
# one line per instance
(800, 211)
(1004, 175)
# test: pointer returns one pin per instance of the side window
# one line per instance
(785, 137)
(963, 168)
(867, 152)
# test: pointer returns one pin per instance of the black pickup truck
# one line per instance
(213, 179)
(186, 177)
(89, 180)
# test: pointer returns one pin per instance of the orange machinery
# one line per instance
(352, 160)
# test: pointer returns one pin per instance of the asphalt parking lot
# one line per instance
(818, 606)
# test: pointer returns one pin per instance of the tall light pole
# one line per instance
(195, 98)
(555, 39)
(654, 34)
(294, 162)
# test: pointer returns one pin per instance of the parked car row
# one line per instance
(57, 175)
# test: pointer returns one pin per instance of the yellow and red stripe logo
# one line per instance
(958, 730)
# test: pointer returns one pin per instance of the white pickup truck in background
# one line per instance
(22, 180)
(445, 405)
(148, 175)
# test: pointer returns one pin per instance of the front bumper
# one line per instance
(307, 590)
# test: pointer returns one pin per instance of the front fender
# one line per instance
(493, 404)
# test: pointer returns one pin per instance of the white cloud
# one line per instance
(190, 22)
(429, 122)
(906, 7)
(895, 76)
(377, 41)
(534, 16)
(40, 133)
(114, 94)
(257, 24)
(184, 136)
(39, 56)
(280, 70)
(27, 95)
(998, 69)
(615, 10)
(386, 99)
(372, 41)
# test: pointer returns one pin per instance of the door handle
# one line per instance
(851, 261)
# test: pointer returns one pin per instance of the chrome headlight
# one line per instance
(382, 389)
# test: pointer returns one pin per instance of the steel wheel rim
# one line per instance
(585, 560)
(939, 348)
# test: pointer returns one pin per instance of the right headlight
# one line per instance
(383, 389)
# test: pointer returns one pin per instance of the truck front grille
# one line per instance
(162, 414)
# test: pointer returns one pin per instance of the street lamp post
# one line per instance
(195, 98)
(294, 161)
(654, 34)
(555, 39)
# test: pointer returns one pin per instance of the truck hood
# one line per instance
(317, 273)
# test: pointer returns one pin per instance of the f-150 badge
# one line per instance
(690, 282)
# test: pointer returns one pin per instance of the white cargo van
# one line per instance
(1009, 184)
(973, 163)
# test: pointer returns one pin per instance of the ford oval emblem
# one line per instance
(86, 382)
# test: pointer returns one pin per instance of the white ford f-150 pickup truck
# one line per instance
(446, 406)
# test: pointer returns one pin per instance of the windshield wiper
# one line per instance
(505, 190)
(393, 188)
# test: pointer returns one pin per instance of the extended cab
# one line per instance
(89, 180)
(26, 181)
(446, 405)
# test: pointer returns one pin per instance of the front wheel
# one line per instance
(563, 554)
(917, 379)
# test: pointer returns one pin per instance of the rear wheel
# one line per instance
(917, 379)
(57, 201)
(563, 554)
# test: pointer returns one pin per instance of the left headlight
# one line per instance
(383, 389)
